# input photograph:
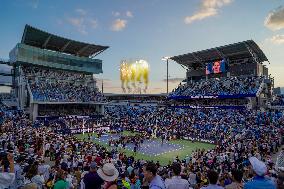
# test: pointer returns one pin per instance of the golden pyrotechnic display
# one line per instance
(134, 75)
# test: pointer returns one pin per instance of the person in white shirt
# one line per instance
(44, 169)
(33, 176)
(19, 177)
(192, 179)
(176, 182)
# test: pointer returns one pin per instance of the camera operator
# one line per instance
(7, 163)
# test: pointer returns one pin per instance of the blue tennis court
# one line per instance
(150, 147)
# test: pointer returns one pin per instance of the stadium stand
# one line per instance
(220, 86)
(61, 86)
(278, 101)
(239, 135)
(52, 71)
(59, 93)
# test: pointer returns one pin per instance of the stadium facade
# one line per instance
(52, 76)
(6, 79)
(40, 62)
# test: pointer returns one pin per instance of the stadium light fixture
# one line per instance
(166, 58)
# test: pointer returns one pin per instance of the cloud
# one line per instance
(81, 11)
(116, 14)
(94, 23)
(76, 21)
(277, 39)
(129, 14)
(174, 80)
(207, 9)
(275, 19)
(118, 25)
(59, 21)
(79, 24)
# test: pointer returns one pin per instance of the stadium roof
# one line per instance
(243, 49)
(41, 39)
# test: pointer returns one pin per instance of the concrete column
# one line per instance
(103, 109)
(34, 111)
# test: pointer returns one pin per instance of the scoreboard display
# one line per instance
(215, 67)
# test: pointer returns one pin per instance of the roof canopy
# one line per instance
(243, 49)
(41, 39)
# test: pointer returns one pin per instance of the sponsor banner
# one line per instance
(68, 117)
(212, 96)
(209, 107)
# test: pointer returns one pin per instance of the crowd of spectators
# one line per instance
(278, 101)
(7, 96)
(61, 86)
(245, 141)
(61, 110)
(220, 86)
(211, 102)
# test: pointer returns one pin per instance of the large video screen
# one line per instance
(218, 66)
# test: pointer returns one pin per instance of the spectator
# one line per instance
(92, 180)
(176, 182)
(259, 181)
(60, 182)
(237, 180)
(213, 179)
(280, 180)
(150, 174)
(109, 174)
(7, 178)
(30, 186)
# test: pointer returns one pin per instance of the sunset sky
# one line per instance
(150, 29)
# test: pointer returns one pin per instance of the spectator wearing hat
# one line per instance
(259, 181)
(176, 182)
(92, 180)
(213, 179)
(109, 174)
(151, 176)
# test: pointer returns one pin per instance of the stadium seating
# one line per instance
(61, 86)
(7, 96)
(220, 86)
(278, 101)
(238, 135)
